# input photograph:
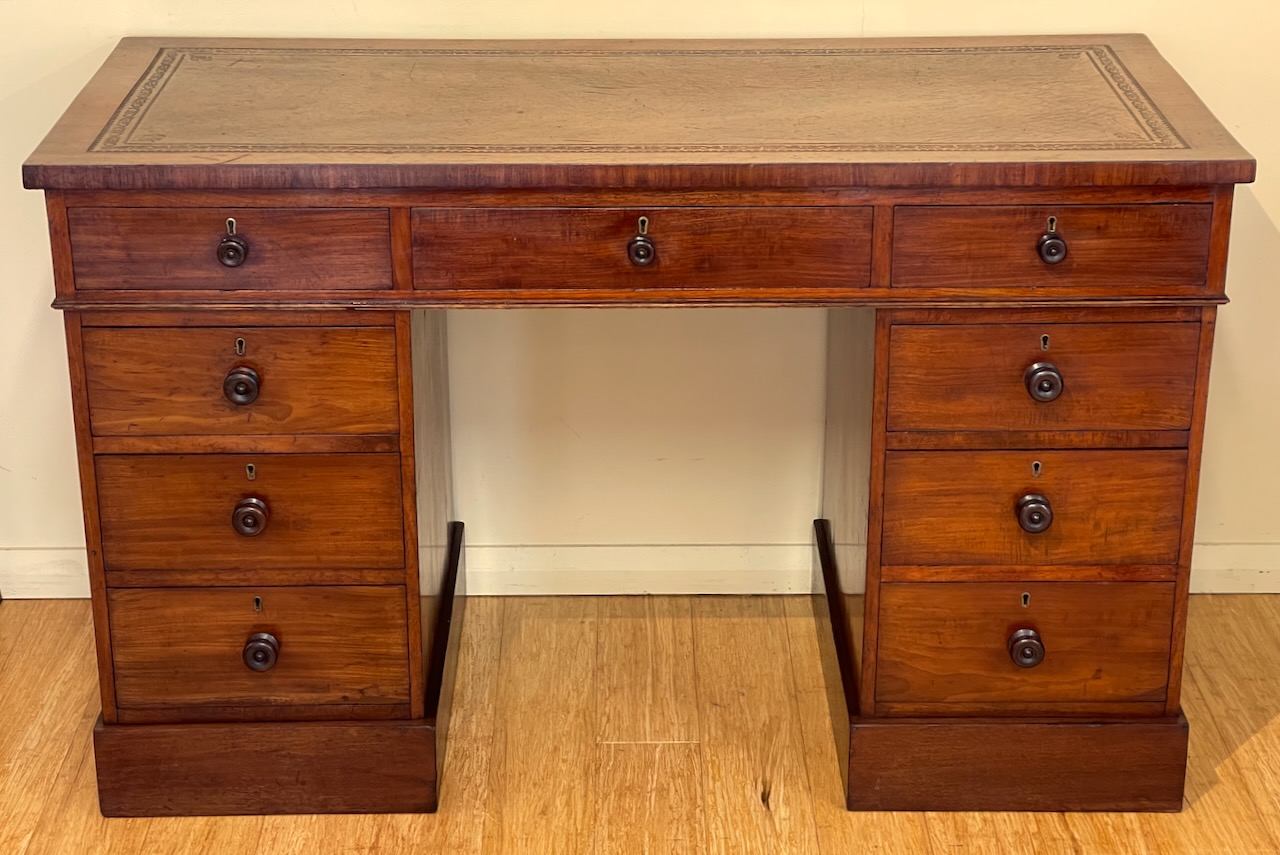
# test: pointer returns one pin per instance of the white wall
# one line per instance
(642, 449)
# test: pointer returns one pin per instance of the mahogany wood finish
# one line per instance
(183, 646)
(719, 248)
(268, 767)
(493, 174)
(90, 504)
(1109, 507)
(1208, 325)
(1114, 245)
(146, 248)
(340, 511)
(409, 508)
(946, 642)
(1044, 765)
(169, 380)
(1114, 376)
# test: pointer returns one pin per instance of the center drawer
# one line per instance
(265, 511)
(259, 646)
(1033, 507)
(255, 380)
(690, 248)
(953, 643)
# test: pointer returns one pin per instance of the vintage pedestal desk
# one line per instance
(1023, 243)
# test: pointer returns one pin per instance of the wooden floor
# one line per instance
(633, 725)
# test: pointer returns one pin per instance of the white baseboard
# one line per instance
(1252, 568)
(640, 569)
(40, 574)
(1236, 568)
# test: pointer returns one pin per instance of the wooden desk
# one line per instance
(1023, 243)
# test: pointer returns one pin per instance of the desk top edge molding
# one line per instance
(642, 115)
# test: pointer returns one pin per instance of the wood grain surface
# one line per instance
(1117, 246)
(945, 642)
(972, 377)
(721, 247)
(168, 381)
(958, 507)
(183, 646)
(985, 765)
(157, 248)
(1081, 110)
(338, 511)
(294, 767)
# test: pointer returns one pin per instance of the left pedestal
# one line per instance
(277, 586)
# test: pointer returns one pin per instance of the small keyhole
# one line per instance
(1026, 599)
(250, 471)
(240, 346)
(1035, 469)
(642, 226)
(1044, 342)
(1053, 225)
(231, 226)
(257, 603)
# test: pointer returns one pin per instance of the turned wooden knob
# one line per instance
(241, 385)
(249, 519)
(642, 251)
(232, 251)
(1034, 512)
(261, 651)
(1052, 248)
(1043, 381)
(1025, 648)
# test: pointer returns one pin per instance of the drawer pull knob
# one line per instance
(1052, 248)
(1035, 514)
(232, 249)
(261, 651)
(1026, 649)
(641, 251)
(241, 385)
(250, 517)
(1043, 381)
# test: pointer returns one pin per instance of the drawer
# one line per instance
(963, 507)
(951, 642)
(300, 511)
(693, 248)
(326, 645)
(1110, 246)
(324, 249)
(270, 380)
(1126, 376)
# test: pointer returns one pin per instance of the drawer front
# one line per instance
(326, 249)
(692, 248)
(950, 642)
(963, 508)
(180, 512)
(1128, 376)
(271, 380)
(1111, 246)
(327, 645)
